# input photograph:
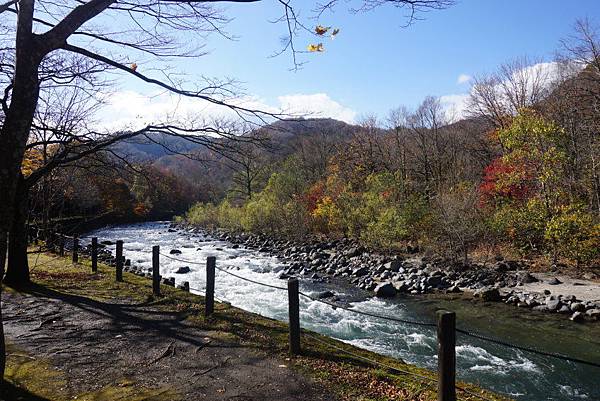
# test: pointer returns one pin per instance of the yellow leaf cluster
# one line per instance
(316, 48)
(321, 30)
(32, 160)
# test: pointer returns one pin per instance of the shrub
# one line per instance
(573, 234)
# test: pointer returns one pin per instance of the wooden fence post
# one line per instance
(446, 334)
(51, 241)
(75, 249)
(94, 254)
(294, 315)
(156, 270)
(211, 261)
(61, 245)
(119, 257)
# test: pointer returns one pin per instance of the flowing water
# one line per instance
(521, 375)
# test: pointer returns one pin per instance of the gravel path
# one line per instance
(95, 344)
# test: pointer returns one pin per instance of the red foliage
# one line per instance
(314, 195)
(491, 190)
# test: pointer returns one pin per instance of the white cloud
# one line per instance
(455, 106)
(463, 79)
(316, 105)
(130, 109)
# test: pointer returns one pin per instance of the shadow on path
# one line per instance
(10, 392)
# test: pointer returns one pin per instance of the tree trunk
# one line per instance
(3, 239)
(15, 132)
(19, 116)
(17, 272)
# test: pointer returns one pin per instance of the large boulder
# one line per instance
(385, 290)
(359, 272)
(325, 294)
(526, 278)
(577, 317)
(593, 313)
(183, 270)
(488, 294)
(553, 304)
(554, 281)
(393, 266)
(354, 251)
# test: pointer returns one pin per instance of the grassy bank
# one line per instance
(323, 360)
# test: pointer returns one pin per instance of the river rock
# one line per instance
(577, 317)
(526, 278)
(488, 294)
(564, 309)
(183, 270)
(454, 289)
(325, 294)
(593, 313)
(554, 281)
(393, 266)
(553, 304)
(354, 251)
(385, 290)
(359, 272)
(577, 307)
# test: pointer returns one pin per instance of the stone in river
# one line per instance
(577, 317)
(325, 294)
(488, 294)
(593, 313)
(175, 252)
(553, 304)
(577, 307)
(564, 309)
(183, 270)
(554, 281)
(385, 290)
(454, 289)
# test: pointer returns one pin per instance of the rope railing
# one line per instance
(228, 272)
(358, 312)
(406, 321)
(527, 349)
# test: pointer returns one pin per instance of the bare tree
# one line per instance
(516, 85)
(576, 105)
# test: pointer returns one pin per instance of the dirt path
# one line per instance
(97, 345)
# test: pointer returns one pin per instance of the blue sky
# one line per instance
(375, 64)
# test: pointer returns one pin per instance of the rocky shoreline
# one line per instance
(387, 276)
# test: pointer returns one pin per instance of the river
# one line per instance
(521, 375)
